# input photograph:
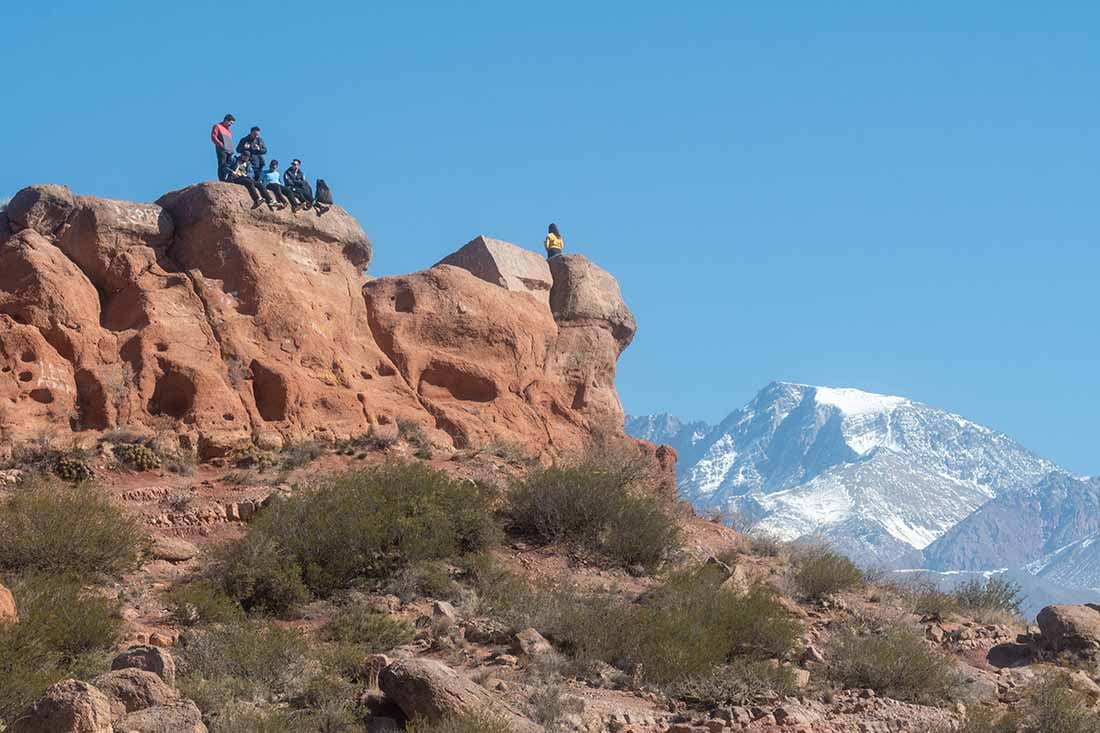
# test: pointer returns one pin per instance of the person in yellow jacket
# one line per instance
(554, 243)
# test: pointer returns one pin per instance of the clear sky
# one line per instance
(901, 197)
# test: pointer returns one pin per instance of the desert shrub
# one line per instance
(366, 524)
(247, 660)
(822, 572)
(894, 661)
(685, 627)
(482, 721)
(413, 433)
(600, 504)
(740, 683)
(994, 594)
(429, 579)
(373, 631)
(64, 630)
(983, 720)
(51, 527)
(300, 454)
(200, 601)
(926, 599)
(550, 703)
(765, 544)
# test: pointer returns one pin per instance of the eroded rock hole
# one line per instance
(91, 402)
(28, 356)
(447, 380)
(404, 301)
(173, 396)
(42, 395)
(25, 376)
(162, 347)
(270, 393)
(385, 370)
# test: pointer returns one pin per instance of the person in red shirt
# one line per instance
(222, 138)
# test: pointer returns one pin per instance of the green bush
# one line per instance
(741, 683)
(49, 527)
(374, 632)
(64, 630)
(200, 601)
(475, 722)
(137, 456)
(248, 659)
(894, 661)
(994, 594)
(601, 504)
(366, 524)
(686, 627)
(300, 454)
(822, 572)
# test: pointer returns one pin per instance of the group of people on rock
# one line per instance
(246, 168)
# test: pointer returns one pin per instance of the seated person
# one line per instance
(271, 183)
(295, 180)
(239, 173)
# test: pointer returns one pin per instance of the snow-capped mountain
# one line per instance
(667, 429)
(879, 476)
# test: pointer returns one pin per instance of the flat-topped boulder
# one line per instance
(505, 265)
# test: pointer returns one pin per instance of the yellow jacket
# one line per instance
(553, 241)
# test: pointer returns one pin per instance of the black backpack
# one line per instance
(324, 193)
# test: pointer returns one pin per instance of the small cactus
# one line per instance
(137, 456)
(74, 470)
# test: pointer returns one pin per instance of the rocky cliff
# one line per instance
(226, 325)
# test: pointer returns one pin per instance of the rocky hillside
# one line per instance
(223, 325)
(879, 476)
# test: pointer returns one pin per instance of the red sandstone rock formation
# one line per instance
(225, 325)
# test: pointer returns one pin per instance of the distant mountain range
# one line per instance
(888, 481)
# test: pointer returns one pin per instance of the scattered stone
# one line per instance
(177, 717)
(530, 643)
(443, 611)
(483, 630)
(1070, 627)
(132, 689)
(431, 689)
(173, 549)
(811, 655)
(737, 582)
(70, 706)
(150, 658)
(8, 612)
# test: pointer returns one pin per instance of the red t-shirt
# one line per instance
(221, 136)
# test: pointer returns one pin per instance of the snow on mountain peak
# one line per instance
(878, 475)
(855, 402)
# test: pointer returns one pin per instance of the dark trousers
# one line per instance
(256, 166)
(223, 163)
(552, 253)
(279, 190)
(255, 190)
(302, 191)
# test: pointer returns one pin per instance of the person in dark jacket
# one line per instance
(295, 180)
(254, 146)
(240, 173)
(222, 138)
(282, 193)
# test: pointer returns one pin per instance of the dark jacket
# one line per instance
(253, 145)
(294, 178)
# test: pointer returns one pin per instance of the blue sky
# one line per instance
(897, 197)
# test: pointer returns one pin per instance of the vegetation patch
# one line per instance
(740, 683)
(601, 504)
(201, 601)
(894, 661)
(822, 572)
(475, 722)
(362, 525)
(47, 526)
(64, 630)
(373, 631)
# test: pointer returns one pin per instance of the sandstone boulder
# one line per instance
(530, 643)
(430, 689)
(505, 265)
(584, 293)
(69, 706)
(133, 689)
(149, 658)
(1070, 627)
(173, 549)
(174, 717)
(8, 612)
